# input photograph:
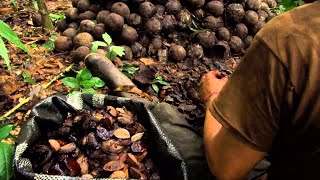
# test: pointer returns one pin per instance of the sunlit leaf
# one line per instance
(7, 33)
(70, 82)
(119, 50)
(5, 131)
(87, 83)
(4, 54)
(89, 91)
(56, 17)
(107, 38)
(6, 160)
(155, 87)
(98, 82)
(84, 74)
(96, 44)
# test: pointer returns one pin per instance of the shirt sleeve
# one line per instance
(249, 104)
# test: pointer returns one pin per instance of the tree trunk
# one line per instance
(47, 25)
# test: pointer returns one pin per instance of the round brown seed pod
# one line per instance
(271, 3)
(102, 15)
(74, 25)
(169, 22)
(213, 23)
(138, 50)
(241, 30)
(173, 7)
(253, 4)
(199, 14)
(247, 41)
(184, 19)
(70, 33)
(127, 53)
(75, 3)
(236, 44)
(159, 10)
(129, 35)
(36, 20)
(206, 39)
(270, 16)
(196, 3)
(262, 16)
(251, 17)
(223, 33)
(216, 8)
(87, 15)
(71, 14)
(153, 26)
(98, 30)
(62, 25)
(177, 52)
(87, 26)
(257, 27)
(114, 22)
(95, 8)
(63, 43)
(235, 12)
(83, 39)
(264, 6)
(146, 9)
(195, 51)
(83, 5)
(80, 53)
(134, 20)
(120, 8)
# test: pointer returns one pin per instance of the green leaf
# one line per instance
(7, 33)
(96, 44)
(27, 78)
(119, 50)
(49, 45)
(106, 37)
(35, 5)
(56, 17)
(111, 55)
(4, 54)
(98, 82)
(159, 78)
(53, 38)
(155, 87)
(5, 131)
(89, 91)
(70, 82)
(6, 161)
(87, 83)
(163, 83)
(74, 92)
(84, 74)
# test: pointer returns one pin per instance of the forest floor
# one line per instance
(30, 75)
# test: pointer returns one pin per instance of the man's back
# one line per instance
(272, 100)
(294, 37)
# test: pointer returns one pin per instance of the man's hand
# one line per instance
(211, 85)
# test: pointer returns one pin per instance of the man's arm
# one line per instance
(228, 158)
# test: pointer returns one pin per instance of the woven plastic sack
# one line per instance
(177, 154)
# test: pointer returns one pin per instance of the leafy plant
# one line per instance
(158, 80)
(7, 33)
(35, 5)
(128, 70)
(286, 5)
(49, 44)
(56, 17)
(27, 78)
(113, 51)
(6, 153)
(83, 82)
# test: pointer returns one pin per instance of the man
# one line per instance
(271, 103)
